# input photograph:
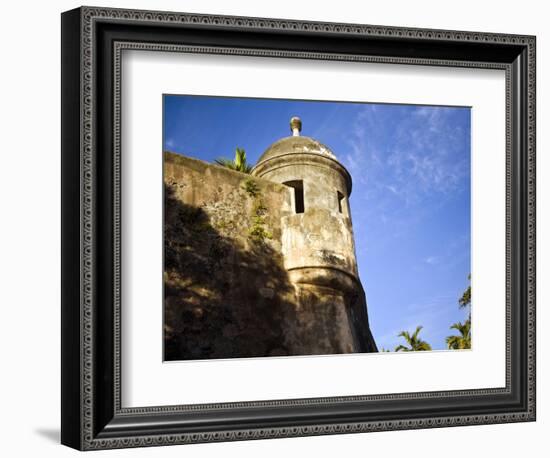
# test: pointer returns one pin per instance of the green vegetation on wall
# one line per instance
(257, 231)
(251, 187)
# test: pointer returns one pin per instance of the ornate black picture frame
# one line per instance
(92, 42)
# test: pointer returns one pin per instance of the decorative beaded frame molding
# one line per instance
(87, 434)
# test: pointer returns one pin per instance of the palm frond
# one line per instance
(239, 163)
(453, 342)
(405, 335)
(462, 341)
(466, 298)
(225, 162)
(423, 346)
(414, 342)
(415, 334)
(240, 158)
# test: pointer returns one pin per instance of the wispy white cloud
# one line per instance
(432, 260)
(409, 163)
(431, 303)
(423, 155)
(451, 255)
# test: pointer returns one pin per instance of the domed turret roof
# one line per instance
(296, 144)
(298, 151)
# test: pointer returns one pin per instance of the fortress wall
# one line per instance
(227, 293)
(228, 197)
(227, 290)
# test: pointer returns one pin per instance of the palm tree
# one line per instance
(239, 163)
(464, 340)
(414, 342)
(466, 298)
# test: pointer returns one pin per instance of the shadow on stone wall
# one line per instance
(222, 300)
(359, 318)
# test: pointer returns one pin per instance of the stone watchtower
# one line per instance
(318, 246)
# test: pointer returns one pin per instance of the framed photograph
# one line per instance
(276, 228)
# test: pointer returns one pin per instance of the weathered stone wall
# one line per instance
(227, 291)
(319, 238)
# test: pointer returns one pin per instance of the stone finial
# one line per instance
(295, 126)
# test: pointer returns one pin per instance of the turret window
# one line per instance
(343, 204)
(298, 186)
(340, 201)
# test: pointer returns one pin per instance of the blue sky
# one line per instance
(410, 203)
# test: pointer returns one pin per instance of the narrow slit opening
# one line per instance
(340, 199)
